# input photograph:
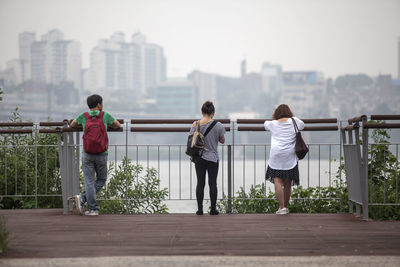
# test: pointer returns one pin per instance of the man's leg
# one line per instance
(88, 168)
(101, 171)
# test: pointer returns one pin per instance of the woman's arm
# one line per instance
(300, 123)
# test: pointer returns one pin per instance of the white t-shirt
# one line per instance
(283, 140)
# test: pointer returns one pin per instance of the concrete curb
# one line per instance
(202, 261)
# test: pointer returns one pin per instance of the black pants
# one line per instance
(212, 168)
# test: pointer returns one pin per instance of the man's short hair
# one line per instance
(94, 100)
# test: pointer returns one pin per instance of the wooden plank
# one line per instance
(48, 233)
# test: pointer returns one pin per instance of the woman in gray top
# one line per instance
(209, 161)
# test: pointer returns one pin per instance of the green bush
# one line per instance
(384, 177)
(131, 191)
(17, 171)
(303, 200)
(4, 236)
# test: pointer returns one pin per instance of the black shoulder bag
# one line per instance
(195, 142)
(301, 147)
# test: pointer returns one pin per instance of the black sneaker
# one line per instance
(214, 212)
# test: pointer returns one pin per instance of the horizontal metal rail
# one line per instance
(261, 121)
(171, 121)
(307, 128)
(16, 131)
(61, 123)
(77, 129)
(381, 125)
(165, 129)
(16, 124)
(385, 117)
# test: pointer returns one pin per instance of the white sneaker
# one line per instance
(92, 213)
(281, 211)
(287, 210)
(78, 204)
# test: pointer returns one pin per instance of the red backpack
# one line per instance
(95, 139)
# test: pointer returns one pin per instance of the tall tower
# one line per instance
(398, 58)
(243, 68)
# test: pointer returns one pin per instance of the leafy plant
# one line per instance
(303, 200)
(30, 167)
(384, 176)
(131, 191)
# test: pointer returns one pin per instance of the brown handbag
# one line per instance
(301, 148)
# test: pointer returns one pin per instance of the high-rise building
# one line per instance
(119, 65)
(25, 40)
(272, 80)
(55, 60)
(38, 61)
(206, 84)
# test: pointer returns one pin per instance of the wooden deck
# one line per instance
(47, 233)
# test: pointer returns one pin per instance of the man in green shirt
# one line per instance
(93, 163)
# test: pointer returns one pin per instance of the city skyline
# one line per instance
(361, 42)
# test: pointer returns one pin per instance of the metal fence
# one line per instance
(39, 169)
(365, 174)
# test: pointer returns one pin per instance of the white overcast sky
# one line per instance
(334, 37)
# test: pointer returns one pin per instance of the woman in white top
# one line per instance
(282, 166)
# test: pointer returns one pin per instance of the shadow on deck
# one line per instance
(46, 233)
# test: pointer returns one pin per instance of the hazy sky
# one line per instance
(335, 37)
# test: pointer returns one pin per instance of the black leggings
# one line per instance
(212, 168)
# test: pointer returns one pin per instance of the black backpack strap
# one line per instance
(209, 128)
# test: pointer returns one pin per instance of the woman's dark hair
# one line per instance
(282, 111)
(208, 108)
(93, 100)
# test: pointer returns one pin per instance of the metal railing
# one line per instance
(356, 154)
(241, 165)
(241, 169)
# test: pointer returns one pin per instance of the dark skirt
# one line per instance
(292, 174)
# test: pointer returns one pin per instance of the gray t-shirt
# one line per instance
(210, 151)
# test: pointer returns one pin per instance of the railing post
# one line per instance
(345, 142)
(61, 157)
(364, 170)
(71, 170)
(229, 178)
(36, 165)
(126, 139)
(76, 150)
